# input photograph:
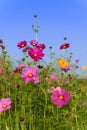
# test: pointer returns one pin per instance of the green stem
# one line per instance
(45, 110)
(36, 35)
(77, 122)
(30, 113)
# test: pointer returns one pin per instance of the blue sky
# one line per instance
(57, 19)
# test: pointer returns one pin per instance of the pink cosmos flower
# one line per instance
(35, 54)
(30, 74)
(22, 44)
(5, 104)
(53, 78)
(21, 66)
(41, 46)
(60, 97)
(0, 71)
(33, 42)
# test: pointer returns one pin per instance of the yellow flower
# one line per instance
(62, 63)
(66, 63)
(84, 67)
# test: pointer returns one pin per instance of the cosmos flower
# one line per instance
(21, 66)
(53, 78)
(62, 63)
(84, 67)
(41, 46)
(66, 68)
(33, 42)
(5, 104)
(36, 54)
(60, 97)
(22, 44)
(65, 46)
(30, 74)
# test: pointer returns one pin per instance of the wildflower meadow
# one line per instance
(40, 95)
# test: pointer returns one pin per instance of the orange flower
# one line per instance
(62, 63)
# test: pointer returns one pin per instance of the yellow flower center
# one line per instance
(30, 75)
(64, 46)
(35, 54)
(4, 105)
(22, 45)
(33, 44)
(60, 97)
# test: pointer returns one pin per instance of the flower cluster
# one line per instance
(36, 53)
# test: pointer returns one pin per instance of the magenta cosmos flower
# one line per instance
(33, 42)
(5, 104)
(53, 78)
(60, 97)
(41, 46)
(36, 54)
(67, 68)
(65, 46)
(30, 74)
(22, 44)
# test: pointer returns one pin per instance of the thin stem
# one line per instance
(36, 35)
(77, 122)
